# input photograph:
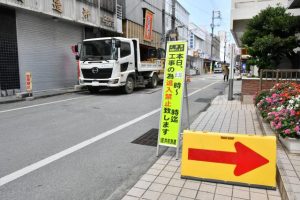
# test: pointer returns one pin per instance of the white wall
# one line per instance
(134, 12)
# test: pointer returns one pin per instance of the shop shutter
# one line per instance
(44, 46)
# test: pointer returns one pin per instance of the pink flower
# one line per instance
(278, 126)
(293, 112)
(287, 131)
(274, 95)
(297, 128)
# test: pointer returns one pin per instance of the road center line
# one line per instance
(42, 104)
(30, 168)
(203, 88)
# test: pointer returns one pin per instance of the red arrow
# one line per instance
(244, 158)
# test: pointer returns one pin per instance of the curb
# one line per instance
(279, 180)
(39, 97)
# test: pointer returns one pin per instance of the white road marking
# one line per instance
(202, 88)
(30, 168)
(8, 178)
(42, 104)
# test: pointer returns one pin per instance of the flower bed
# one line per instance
(281, 107)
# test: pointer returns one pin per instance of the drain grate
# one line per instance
(203, 100)
(149, 138)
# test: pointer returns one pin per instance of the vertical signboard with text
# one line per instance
(28, 80)
(172, 96)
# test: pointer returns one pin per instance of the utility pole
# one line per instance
(217, 16)
(173, 17)
(231, 75)
(173, 20)
(164, 36)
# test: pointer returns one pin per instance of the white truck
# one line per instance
(115, 62)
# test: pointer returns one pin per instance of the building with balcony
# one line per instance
(36, 37)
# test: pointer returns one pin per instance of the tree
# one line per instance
(270, 36)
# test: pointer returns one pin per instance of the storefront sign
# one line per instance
(174, 76)
(195, 54)
(108, 21)
(57, 6)
(28, 80)
(85, 13)
(234, 158)
(148, 26)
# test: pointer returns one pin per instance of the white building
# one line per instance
(182, 19)
(243, 10)
(196, 49)
(224, 46)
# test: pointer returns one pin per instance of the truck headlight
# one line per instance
(113, 81)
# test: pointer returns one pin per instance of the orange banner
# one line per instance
(28, 81)
(148, 26)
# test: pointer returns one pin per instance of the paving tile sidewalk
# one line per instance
(163, 181)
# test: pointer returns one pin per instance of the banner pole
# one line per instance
(187, 102)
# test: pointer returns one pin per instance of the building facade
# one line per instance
(196, 50)
(181, 21)
(143, 20)
(224, 47)
(36, 37)
(243, 10)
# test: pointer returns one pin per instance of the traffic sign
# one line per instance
(172, 94)
(230, 158)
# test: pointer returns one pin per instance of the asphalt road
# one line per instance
(78, 146)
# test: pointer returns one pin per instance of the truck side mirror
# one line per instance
(77, 57)
(118, 44)
(76, 48)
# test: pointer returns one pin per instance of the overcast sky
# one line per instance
(201, 13)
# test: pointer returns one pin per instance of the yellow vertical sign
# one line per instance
(174, 77)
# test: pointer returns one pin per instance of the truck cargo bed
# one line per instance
(150, 66)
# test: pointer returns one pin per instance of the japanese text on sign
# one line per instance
(172, 93)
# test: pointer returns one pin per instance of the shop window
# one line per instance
(125, 49)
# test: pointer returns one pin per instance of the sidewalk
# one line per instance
(37, 95)
(162, 181)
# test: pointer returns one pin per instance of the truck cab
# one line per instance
(115, 63)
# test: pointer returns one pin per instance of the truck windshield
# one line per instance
(98, 50)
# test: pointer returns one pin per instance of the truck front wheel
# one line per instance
(129, 86)
(153, 82)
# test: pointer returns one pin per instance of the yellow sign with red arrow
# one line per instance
(231, 158)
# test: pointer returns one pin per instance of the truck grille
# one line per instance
(102, 73)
